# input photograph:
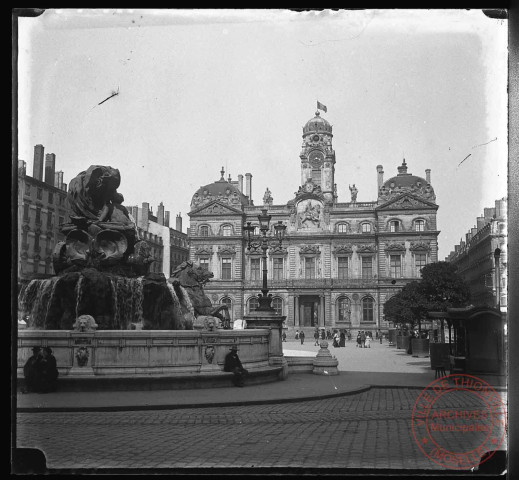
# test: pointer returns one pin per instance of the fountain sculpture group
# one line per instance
(102, 270)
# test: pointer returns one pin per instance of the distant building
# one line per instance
(474, 256)
(169, 245)
(339, 262)
(42, 207)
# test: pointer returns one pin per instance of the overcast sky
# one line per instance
(199, 90)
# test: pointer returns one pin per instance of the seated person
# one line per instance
(233, 364)
(30, 373)
(47, 371)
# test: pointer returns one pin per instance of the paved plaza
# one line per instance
(357, 420)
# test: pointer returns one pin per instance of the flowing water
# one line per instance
(35, 300)
(127, 298)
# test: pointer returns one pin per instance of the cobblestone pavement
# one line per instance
(366, 430)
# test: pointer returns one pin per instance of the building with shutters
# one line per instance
(339, 262)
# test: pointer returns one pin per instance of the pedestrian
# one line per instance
(316, 337)
(302, 336)
(284, 336)
(359, 343)
(323, 335)
(233, 364)
(342, 339)
(30, 371)
(380, 336)
(328, 335)
(335, 339)
(47, 371)
(297, 334)
(368, 341)
(349, 335)
(362, 339)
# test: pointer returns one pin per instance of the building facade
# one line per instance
(475, 258)
(339, 262)
(169, 246)
(42, 207)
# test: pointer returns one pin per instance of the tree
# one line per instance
(442, 287)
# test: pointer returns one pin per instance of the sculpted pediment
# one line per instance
(406, 201)
(215, 208)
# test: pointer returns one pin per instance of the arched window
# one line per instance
(226, 230)
(344, 309)
(394, 226)
(228, 303)
(204, 231)
(277, 305)
(419, 225)
(342, 228)
(253, 304)
(366, 228)
(367, 309)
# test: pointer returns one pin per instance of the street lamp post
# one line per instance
(264, 242)
(497, 254)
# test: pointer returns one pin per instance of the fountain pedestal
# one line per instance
(272, 321)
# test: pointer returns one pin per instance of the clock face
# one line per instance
(315, 138)
(316, 157)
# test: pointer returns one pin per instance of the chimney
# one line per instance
(178, 223)
(64, 187)
(480, 222)
(248, 186)
(166, 218)
(50, 167)
(134, 211)
(456, 248)
(37, 168)
(380, 176)
(428, 175)
(145, 216)
(489, 213)
(402, 169)
(22, 166)
(58, 179)
(160, 214)
(473, 231)
(240, 183)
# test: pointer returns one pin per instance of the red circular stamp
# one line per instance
(457, 419)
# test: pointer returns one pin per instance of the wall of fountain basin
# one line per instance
(134, 354)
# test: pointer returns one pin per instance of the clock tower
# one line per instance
(318, 157)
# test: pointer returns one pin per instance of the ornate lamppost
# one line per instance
(264, 242)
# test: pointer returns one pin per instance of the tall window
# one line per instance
(204, 231)
(39, 193)
(342, 228)
(38, 216)
(49, 220)
(419, 225)
(395, 266)
(36, 242)
(278, 268)
(394, 226)
(226, 268)
(253, 304)
(26, 211)
(36, 266)
(27, 189)
(309, 267)
(344, 309)
(342, 267)
(277, 305)
(51, 197)
(367, 309)
(228, 303)
(255, 269)
(366, 228)
(367, 267)
(25, 235)
(204, 263)
(420, 260)
(226, 230)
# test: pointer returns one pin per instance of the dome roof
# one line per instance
(222, 190)
(317, 125)
(406, 182)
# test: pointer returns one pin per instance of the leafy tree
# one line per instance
(443, 287)
(408, 306)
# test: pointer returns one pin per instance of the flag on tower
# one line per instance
(320, 106)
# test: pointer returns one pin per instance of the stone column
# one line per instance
(270, 321)
(296, 312)
(321, 310)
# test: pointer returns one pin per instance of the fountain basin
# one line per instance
(150, 359)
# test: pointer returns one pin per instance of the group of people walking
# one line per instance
(41, 371)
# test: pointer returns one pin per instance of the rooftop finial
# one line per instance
(222, 171)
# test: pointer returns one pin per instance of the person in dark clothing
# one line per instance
(328, 335)
(30, 371)
(47, 371)
(362, 339)
(323, 335)
(233, 364)
(359, 342)
(302, 336)
(284, 336)
(316, 337)
(342, 339)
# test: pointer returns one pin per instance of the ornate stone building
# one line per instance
(339, 262)
(475, 260)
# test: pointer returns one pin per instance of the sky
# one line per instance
(204, 89)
